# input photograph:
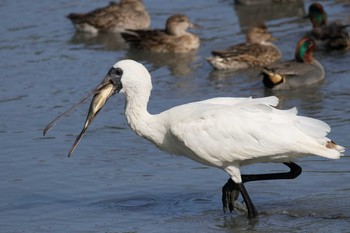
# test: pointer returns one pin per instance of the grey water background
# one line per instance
(118, 182)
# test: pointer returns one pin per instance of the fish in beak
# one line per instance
(110, 85)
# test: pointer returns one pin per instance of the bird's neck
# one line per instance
(176, 31)
(138, 117)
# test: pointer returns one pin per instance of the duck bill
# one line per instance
(194, 26)
(102, 93)
(273, 39)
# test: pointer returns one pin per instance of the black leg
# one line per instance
(230, 193)
(295, 171)
(231, 190)
(252, 212)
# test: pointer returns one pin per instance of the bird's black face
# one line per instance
(114, 77)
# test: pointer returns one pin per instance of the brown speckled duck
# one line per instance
(257, 51)
(174, 38)
(333, 35)
(116, 17)
(303, 70)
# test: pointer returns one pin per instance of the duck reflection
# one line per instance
(264, 11)
(179, 64)
(101, 41)
(309, 100)
(242, 82)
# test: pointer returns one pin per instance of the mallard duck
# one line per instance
(257, 51)
(303, 70)
(116, 17)
(333, 35)
(174, 38)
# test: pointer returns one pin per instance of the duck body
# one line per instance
(333, 36)
(303, 70)
(173, 39)
(292, 75)
(257, 51)
(116, 17)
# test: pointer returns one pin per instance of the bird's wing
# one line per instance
(287, 68)
(248, 50)
(220, 134)
(333, 30)
(98, 16)
(271, 100)
(145, 38)
(113, 15)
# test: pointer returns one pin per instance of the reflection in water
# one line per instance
(260, 2)
(266, 12)
(243, 79)
(102, 41)
(179, 64)
(222, 75)
(236, 222)
(304, 98)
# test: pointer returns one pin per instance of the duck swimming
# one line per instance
(257, 51)
(301, 71)
(116, 17)
(332, 36)
(174, 38)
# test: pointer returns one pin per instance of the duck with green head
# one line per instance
(333, 35)
(301, 71)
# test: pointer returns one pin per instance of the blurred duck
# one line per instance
(257, 51)
(303, 70)
(116, 17)
(333, 35)
(174, 38)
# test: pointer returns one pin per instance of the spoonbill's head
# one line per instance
(127, 76)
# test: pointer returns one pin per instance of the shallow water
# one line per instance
(118, 182)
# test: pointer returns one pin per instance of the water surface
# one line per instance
(118, 182)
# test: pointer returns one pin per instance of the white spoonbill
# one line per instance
(226, 133)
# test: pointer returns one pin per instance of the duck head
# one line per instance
(304, 50)
(178, 24)
(317, 15)
(259, 34)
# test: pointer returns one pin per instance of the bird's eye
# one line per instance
(116, 71)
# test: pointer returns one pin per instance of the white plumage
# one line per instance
(221, 132)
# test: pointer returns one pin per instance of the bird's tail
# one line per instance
(76, 17)
(333, 146)
(318, 130)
